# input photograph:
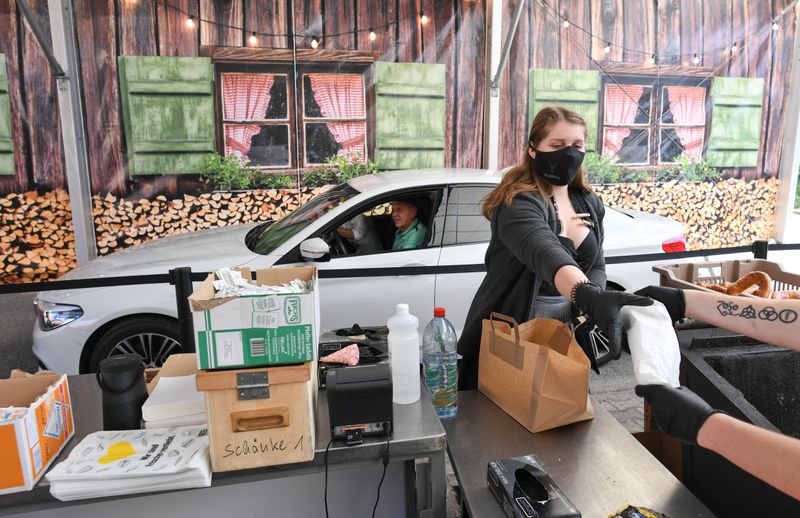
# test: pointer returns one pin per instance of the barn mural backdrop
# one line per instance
(273, 99)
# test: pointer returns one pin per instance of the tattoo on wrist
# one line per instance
(769, 313)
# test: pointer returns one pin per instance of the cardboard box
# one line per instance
(30, 443)
(260, 417)
(253, 331)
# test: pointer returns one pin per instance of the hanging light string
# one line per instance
(193, 21)
(652, 119)
(774, 24)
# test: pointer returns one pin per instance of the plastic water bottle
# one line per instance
(439, 359)
(404, 350)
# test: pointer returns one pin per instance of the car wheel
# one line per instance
(152, 338)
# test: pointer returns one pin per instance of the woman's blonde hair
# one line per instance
(521, 177)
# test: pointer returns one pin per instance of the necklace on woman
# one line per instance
(584, 217)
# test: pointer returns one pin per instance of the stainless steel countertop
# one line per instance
(598, 465)
(417, 430)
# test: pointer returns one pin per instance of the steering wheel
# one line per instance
(338, 243)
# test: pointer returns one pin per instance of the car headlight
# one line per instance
(51, 315)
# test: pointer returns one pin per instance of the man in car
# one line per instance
(361, 233)
(410, 230)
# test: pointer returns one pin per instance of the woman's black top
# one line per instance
(525, 249)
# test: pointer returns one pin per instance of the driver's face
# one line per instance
(403, 214)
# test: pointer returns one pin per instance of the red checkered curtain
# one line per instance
(621, 105)
(244, 97)
(341, 96)
(687, 104)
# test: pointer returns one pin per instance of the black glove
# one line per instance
(602, 307)
(672, 298)
(679, 412)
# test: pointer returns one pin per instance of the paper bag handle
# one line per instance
(508, 320)
(261, 419)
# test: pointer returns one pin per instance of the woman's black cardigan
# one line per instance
(524, 243)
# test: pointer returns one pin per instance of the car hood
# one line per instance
(203, 250)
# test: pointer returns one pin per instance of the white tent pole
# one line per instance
(790, 151)
(72, 128)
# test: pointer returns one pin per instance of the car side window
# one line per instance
(402, 221)
(464, 221)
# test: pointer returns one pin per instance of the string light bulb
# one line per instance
(314, 43)
(696, 59)
(776, 26)
(253, 39)
(423, 18)
(735, 47)
(372, 35)
(652, 59)
(565, 24)
(607, 48)
(190, 22)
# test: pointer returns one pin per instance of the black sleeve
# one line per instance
(523, 228)
(597, 274)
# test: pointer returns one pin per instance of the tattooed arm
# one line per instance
(773, 321)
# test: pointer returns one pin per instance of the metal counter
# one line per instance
(598, 465)
(418, 434)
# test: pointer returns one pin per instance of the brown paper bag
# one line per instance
(535, 371)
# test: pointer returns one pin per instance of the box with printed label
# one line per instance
(35, 425)
(257, 330)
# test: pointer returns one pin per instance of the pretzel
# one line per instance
(759, 279)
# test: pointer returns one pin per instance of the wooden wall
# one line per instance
(455, 35)
(667, 27)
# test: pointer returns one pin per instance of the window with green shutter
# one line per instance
(6, 142)
(577, 90)
(735, 133)
(410, 115)
(168, 110)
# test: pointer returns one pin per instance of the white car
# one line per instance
(76, 329)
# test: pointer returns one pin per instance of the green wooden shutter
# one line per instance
(7, 166)
(578, 90)
(735, 121)
(168, 108)
(410, 115)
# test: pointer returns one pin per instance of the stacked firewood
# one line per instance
(37, 242)
(120, 223)
(36, 237)
(727, 213)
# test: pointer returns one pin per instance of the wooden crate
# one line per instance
(687, 275)
(260, 417)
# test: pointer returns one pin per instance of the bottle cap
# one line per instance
(402, 309)
(438, 312)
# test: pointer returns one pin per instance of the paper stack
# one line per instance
(175, 401)
(133, 461)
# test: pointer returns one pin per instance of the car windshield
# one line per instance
(266, 237)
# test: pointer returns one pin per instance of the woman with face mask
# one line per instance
(545, 256)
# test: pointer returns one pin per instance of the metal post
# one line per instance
(790, 155)
(491, 105)
(72, 128)
(760, 249)
(181, 278)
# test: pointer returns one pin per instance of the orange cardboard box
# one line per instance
(30, 443)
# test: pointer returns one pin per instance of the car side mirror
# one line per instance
(315, 249)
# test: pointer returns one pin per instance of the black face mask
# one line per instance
(559, 167)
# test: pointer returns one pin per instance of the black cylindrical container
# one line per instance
(124, 392)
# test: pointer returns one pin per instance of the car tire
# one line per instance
(152, 338)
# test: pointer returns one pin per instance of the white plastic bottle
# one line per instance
(404, 350)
